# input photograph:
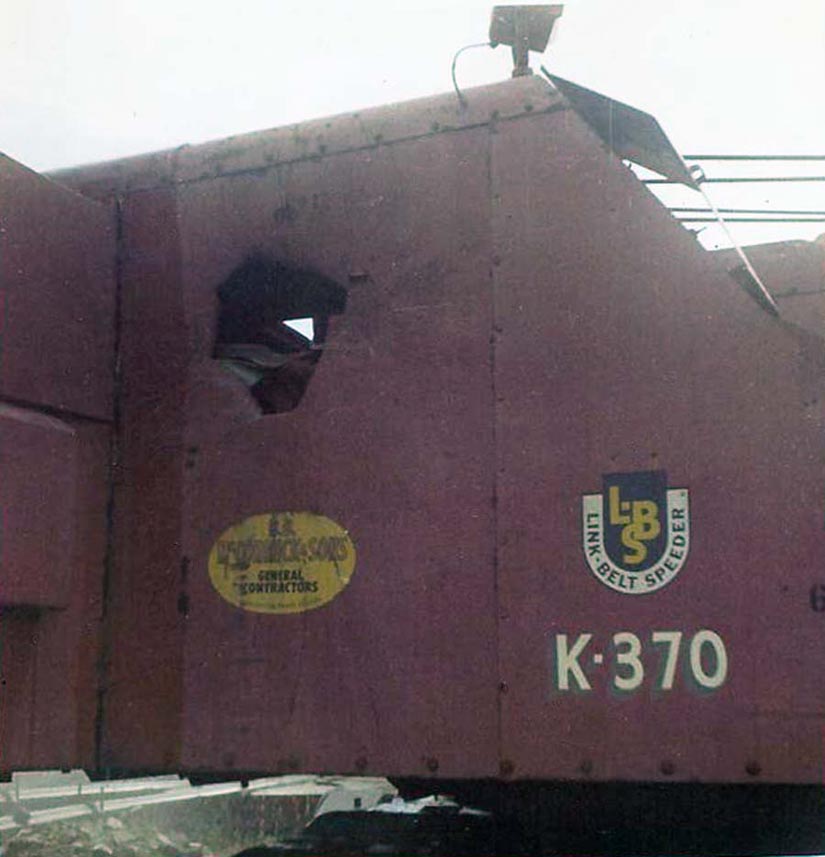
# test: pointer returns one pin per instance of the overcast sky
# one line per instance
(86, 80)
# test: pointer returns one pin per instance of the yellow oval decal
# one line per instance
(283, 562)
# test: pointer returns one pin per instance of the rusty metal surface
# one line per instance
(523, 318)
(57, 289)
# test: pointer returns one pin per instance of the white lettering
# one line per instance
(567, 662)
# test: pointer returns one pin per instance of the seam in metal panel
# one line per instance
(114, 466)
(318, 156)
(4, 317)
(500, 681)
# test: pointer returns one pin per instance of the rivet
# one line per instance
(753, 768)
(586, 767)
(667, 768)
(361, 763)
(432, 764)
(506, 768)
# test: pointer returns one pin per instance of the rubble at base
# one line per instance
(67, 815)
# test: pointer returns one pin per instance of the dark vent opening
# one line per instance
(262, 302)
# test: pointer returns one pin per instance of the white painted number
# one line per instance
(576, 669)
(715, 678)
(672, 639)
(628, 658)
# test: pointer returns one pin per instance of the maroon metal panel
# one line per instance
(57, 269)
(523, 319)
(38, 460)
(144, 642)
(392, 440)
(794, 274)
(621, 348)
(48, 657)
(380, 442)
(57, 259)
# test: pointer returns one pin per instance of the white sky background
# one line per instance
(87, 80)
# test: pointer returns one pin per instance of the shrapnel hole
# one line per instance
(272, 326)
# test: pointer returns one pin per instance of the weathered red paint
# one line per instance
(38, 455)
(58, 297)
(142, 704)
(57, 261)
(523, 317)
(641, 357)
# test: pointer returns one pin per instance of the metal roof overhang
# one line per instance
(632, 134)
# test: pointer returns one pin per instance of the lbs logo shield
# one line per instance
(636, 532)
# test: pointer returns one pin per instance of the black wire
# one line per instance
(772, 211)
(743, 179)
(753, 220)
(754, 157)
